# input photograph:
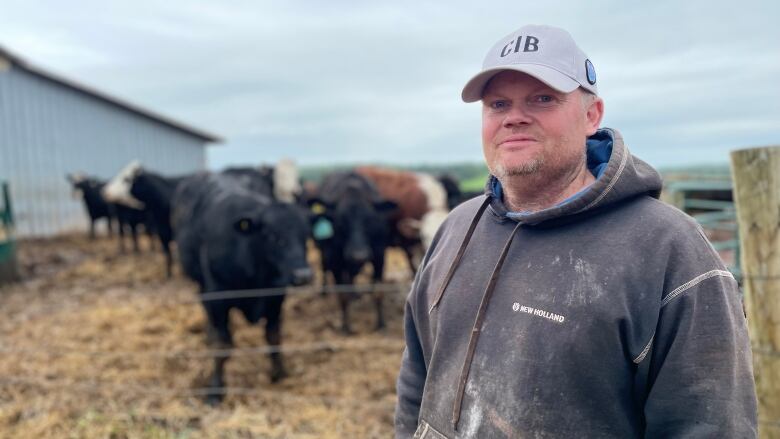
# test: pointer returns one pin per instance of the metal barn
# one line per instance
(51, 126)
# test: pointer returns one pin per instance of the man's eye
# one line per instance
(498, 105)
(543, 99)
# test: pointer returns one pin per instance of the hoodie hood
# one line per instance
(619, 176)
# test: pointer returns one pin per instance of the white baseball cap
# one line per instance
(547, 53)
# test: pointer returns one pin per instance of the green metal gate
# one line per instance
(717, 217)
(8, 270)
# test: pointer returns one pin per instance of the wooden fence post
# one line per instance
(756, 175)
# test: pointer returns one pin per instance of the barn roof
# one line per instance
(16, 61)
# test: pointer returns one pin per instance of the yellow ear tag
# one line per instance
(318, 208)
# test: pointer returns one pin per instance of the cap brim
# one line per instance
(472, 92)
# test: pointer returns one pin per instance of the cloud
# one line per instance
(380, 81)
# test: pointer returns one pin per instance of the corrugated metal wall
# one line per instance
(48, 130)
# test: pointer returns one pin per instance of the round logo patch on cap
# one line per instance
(590, 72)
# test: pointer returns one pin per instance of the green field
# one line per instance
(474, 184)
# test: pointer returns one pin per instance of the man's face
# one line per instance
(529, 128)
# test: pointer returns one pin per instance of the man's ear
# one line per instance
(593, 115)
(246, 226)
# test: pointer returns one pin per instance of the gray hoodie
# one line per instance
(609, 315)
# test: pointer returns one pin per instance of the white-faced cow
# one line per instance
(230, 238)
(142, 189)
(91, 190)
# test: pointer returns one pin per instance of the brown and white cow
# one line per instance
(422, 206)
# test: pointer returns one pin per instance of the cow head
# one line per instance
(358, 224)
(275, 239)
(75, 178)
(118, 190)
(76, 181)
(84, 187)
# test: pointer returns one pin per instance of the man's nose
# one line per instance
(516, 116)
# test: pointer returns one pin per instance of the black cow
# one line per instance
(130, 218)
(97, 207)
(451, 185)
(232, 238)
(259, 180)
(136, 187)
(156, 192)
(280, 181)
(351, 229)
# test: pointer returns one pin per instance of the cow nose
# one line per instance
(360, 255)
(302, 276)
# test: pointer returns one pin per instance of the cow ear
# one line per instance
(318, 207)
(245, 226)
(386, 207)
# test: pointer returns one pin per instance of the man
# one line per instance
(568, 301)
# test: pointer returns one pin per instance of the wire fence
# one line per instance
(144, 391)
(211, 353)
(139, 390)
(293, 291)
(764, 351)
(166, 300)
(394, 290)
(234, 352)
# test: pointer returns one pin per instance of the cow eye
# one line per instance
(244, 226)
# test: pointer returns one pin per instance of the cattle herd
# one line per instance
(247, 229)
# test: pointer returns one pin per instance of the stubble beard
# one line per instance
(531, 167)
(539, 169)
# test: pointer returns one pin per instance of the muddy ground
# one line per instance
(101, 345)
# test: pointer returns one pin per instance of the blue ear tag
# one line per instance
(322, 229)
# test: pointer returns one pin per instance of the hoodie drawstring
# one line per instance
(476, 330)
(460, 253)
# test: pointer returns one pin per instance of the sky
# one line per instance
(358, 82)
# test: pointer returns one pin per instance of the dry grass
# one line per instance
(88, 332)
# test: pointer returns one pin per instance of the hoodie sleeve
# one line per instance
(700, 372)
(411, 380)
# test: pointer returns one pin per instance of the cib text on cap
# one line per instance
(547, 53)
